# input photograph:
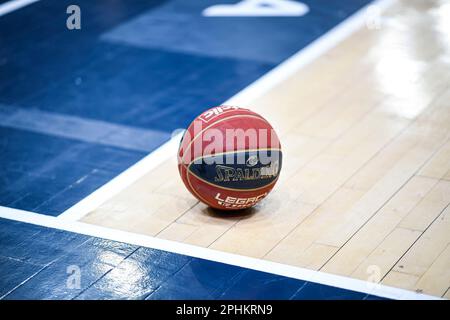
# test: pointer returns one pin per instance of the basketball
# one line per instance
(229, 158)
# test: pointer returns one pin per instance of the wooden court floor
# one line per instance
(365, 186)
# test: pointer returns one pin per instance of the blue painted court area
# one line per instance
(77, 107)
(40, 263)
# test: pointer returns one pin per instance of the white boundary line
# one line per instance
(243, 98)
(14, 5)
(123, 180)
(66, 221)
(212, 255)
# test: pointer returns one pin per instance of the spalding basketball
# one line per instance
(229, 158)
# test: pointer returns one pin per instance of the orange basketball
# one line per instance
(229, 158)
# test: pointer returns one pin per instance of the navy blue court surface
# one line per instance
(78, 107)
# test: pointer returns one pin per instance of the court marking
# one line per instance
(14, 5)
(67, 220)
(212, 255)
(256, 8)
(243, 98)
(81, 129)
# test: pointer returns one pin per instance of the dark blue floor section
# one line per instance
(38, 263)
(47, 174)
(151, 65)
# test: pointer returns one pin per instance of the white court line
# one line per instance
(136, 171)
(66, 221)
(14, 5)
(212, 255)
(243, 98)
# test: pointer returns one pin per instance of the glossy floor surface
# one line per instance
(365, 187)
